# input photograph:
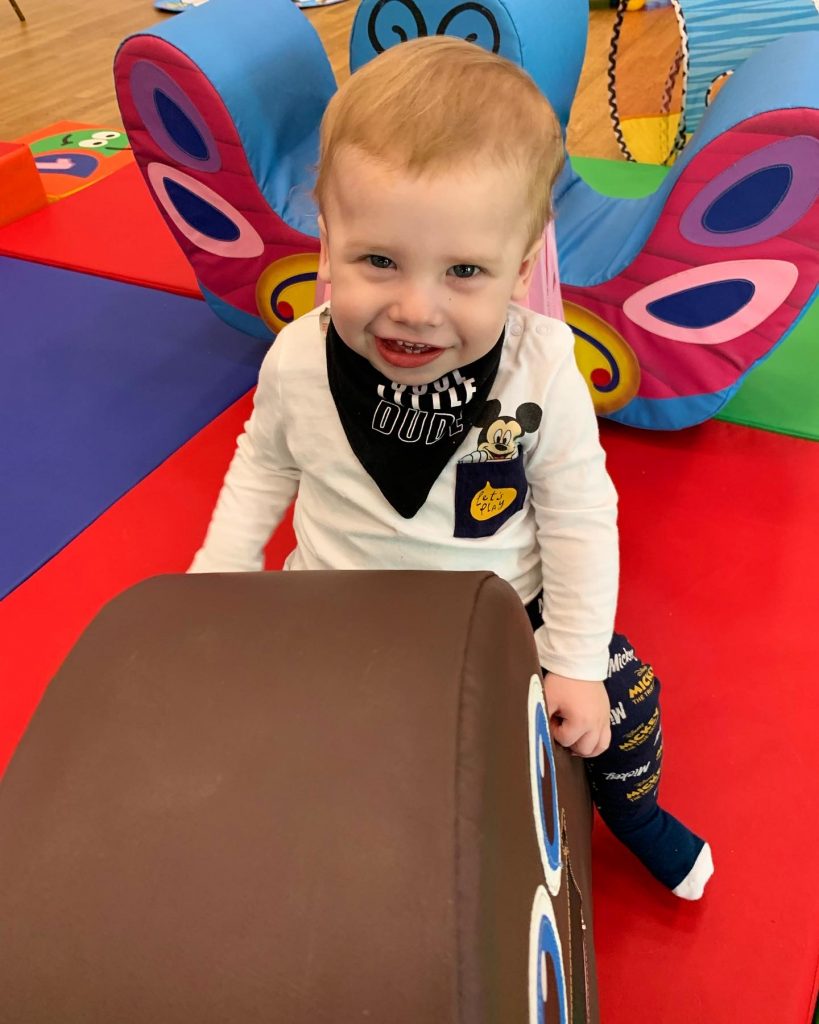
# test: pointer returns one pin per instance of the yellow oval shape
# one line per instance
(286, 289)
(606, 360)
(491, 501)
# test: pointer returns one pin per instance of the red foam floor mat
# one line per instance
(720, 572)
(111, 229)
(720, 569)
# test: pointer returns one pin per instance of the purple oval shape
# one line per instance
(148, 81)
(801, 154)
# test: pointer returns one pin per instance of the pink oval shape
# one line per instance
(773, 281)
(246, 246)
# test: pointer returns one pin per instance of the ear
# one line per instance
(489, 413)
(528, 416)
(324, 252)
(526, 270)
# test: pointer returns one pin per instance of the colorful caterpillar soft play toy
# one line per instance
(673, 298)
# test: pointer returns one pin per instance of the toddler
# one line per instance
(426, 420)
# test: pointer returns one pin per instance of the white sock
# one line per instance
(693, 885)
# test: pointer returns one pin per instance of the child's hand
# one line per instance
(579, 712)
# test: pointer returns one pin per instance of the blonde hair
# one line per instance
(437, 102)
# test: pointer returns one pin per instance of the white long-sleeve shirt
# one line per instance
(563, 539)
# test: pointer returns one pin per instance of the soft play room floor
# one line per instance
(120, 405)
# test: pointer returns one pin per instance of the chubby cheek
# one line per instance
(350, 289)
(340, 291)
(344, 304)
(349, 317)
(481, 322)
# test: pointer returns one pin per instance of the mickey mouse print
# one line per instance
(491, 485)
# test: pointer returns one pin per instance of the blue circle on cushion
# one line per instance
(703, 305)
(750, 201)
(200, 214)
(180, 127)
(551, 841)
(547, 946)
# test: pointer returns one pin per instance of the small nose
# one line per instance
(416, 306)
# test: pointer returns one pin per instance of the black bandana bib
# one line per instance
(403, 436)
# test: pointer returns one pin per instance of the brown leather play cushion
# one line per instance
(293, 798)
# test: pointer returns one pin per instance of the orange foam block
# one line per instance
(70, 155)
(21, 188)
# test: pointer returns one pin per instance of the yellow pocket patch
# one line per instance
(491, 501)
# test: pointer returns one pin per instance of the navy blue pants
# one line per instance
(625, 778)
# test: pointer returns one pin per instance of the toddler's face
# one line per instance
(423, 269)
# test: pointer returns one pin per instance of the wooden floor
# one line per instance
(57, 65)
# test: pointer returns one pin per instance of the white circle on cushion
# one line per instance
(540, 994)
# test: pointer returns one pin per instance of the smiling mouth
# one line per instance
(407, 346)
(412, 346)
(406, 354)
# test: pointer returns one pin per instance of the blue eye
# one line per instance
(380, 262)
(465, 270)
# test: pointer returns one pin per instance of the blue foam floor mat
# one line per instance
(100, 382)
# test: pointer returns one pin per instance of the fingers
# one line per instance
(592, 744)
(603, 742)
(580, 740)
(565, 732)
